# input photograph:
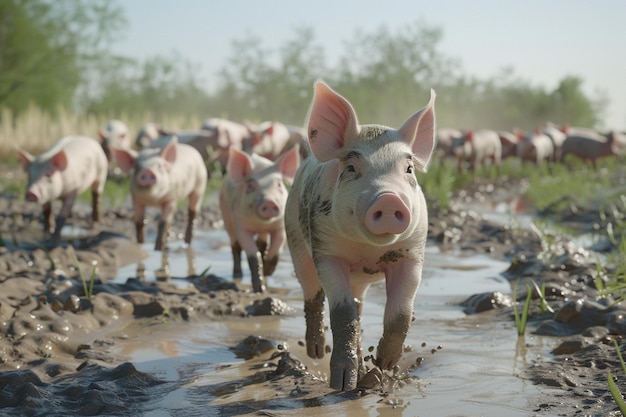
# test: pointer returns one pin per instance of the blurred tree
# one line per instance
(160, 85)
(257, 86)
(48, 48)
(393, 69)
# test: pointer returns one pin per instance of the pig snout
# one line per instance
(268, 209)
(387, 214)
(146, 178)
(32, 196)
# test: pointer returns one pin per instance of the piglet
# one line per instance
(252, 199)
(356, 215)
(70, 167)
(162, 177)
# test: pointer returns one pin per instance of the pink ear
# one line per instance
(288, 163)
(169, 151)
(419, 132)
(125, 159)
(25, 158)
(469, 136)
(239, 165)
(332, 123)
(59, 161)
(270, 129)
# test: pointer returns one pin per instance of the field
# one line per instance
(65, 320)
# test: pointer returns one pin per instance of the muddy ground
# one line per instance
(56, 342)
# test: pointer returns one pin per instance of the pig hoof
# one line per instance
(342, 378)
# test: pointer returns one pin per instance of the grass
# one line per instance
(615, 392)
(520, 321)
(87, 288)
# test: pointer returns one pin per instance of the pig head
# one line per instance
(162, 177)
(356, 215)
(252, 200)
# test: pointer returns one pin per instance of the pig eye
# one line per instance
(251, 186)
(350, 168)
(409, 169)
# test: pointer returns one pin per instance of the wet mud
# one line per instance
(59, 329)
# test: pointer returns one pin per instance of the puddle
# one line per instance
(470, 366)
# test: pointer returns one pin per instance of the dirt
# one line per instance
(57, 340)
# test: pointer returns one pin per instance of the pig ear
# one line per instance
(169, 151)
(419, 132)
(125, 159)
(332, 123)
(239, 165)
(59, 161)
(24, 157)
(288, 163)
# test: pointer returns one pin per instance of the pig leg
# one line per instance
(191, 221)
(344, 322)
(139, 213)
(47, 213)
(255, 261)
(66, 209)
(167, 213)
(314, 296)
(236, 250)
(402, 281)
(195, 199)
(95, 206)
(277, 241)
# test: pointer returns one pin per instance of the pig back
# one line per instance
(86, 164)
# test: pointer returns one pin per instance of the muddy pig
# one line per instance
(69, 168)
(477, 147)
(252, 200)
(356, 215)
(162, 177)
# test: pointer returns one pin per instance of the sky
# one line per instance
(543, 41)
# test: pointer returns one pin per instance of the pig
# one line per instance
(445, 136)
(229, 135)
(356, 215)
(252, 200)
(557, 136)
(150, 132)
(162, 177)
(271, 139)
(114, 135)
(476, 147)
(590, 146)
(70, 167)
(535, 147)
(509, 142)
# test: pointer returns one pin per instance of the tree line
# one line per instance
(57, 54)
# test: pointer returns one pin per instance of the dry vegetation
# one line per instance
(36, 130)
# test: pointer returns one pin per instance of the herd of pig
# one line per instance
(343, 196)
(550, 143)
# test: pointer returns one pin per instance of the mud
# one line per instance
(59, 334)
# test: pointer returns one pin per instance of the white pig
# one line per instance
(356, 215)
(271, 139)
(70, 167)
(477, 147)
(229, 135)
(162, 177)
(252, 200)
(114, 135)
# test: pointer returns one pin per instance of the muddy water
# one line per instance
(468, 366)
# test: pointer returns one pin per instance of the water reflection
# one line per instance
(163, 273)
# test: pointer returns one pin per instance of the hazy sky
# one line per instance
(542, 40)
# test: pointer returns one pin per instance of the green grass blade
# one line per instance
(617, 395)
(619, 355)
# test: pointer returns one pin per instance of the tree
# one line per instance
(48, 48)
(254, 85)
